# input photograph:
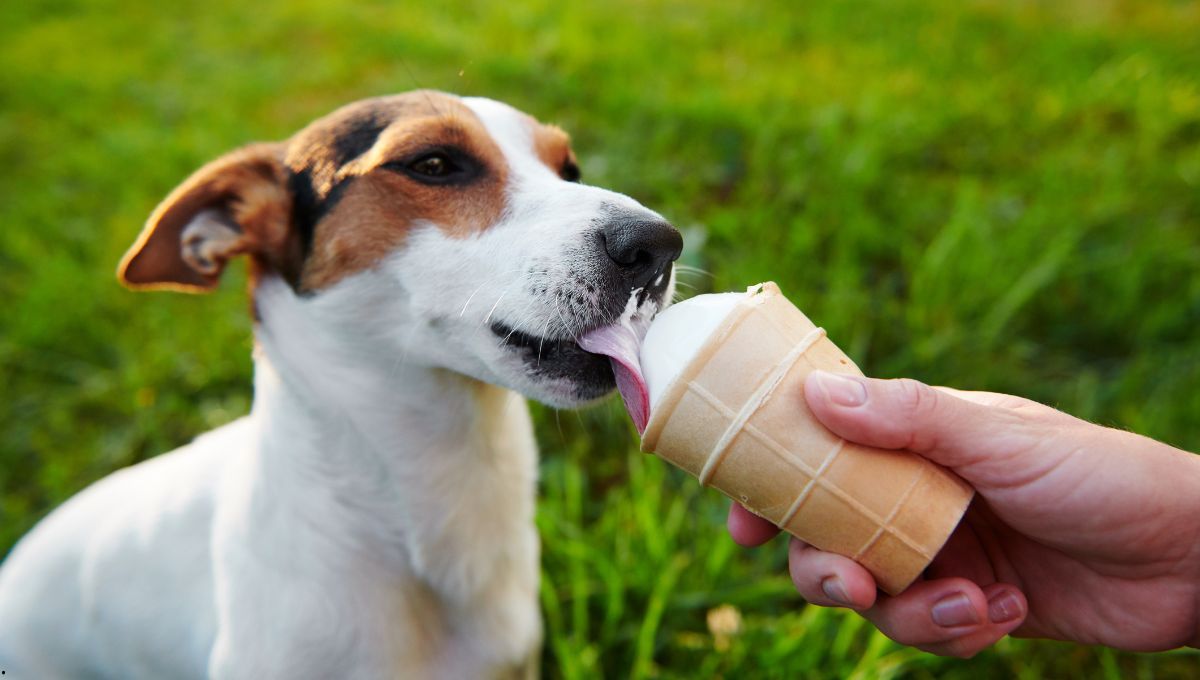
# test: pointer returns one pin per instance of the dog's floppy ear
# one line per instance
(237, 204)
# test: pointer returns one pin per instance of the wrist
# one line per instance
(1191, 465)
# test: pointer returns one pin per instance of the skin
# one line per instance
(1078, 532)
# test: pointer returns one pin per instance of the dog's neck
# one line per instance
(416, 466)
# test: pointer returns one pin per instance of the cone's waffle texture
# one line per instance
(736, 418)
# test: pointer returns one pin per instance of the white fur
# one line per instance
(373, 516)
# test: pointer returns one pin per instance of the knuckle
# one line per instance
(917, 404)
(800, 573)
(810, 590)
(809, 587)
(913, 397)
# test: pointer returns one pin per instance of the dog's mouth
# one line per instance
(597, 359)
(589, 374)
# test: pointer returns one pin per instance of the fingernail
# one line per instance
(839, 389)
(835, 590)
(1004, 607)
(954, 610)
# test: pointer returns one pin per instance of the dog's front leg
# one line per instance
(296, 622)
(296, 598)
(273, 617)
(280, 610)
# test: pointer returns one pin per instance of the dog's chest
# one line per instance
(415, 541)
(475, 545)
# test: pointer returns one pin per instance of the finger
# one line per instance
(931, 612)
(951, 617)
(748, 529)
(1006, 611)
(829, 580)
(906, 414)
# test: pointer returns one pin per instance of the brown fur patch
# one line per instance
(264, 212)
(552, 146)
(380, 205)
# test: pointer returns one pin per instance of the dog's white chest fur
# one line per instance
(301, 569)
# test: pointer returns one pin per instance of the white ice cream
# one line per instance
(677, 334)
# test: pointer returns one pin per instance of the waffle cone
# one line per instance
(736, 419)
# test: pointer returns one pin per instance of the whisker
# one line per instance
(685, 269)
(471, 297)
(566, 326)
(485, 282)
(542, 341)
(488, 318)
(408, 343)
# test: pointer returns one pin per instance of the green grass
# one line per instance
(991, 195)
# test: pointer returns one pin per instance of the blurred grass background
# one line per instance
(991, 195)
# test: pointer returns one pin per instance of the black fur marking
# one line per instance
(308, 207)
(322, 150)
(356, 136)
(305, 208)
(332, 198)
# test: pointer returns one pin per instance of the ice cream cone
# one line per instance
(736, 418)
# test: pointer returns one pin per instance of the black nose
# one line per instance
(641, 249)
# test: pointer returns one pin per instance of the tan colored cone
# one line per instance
(736, 418)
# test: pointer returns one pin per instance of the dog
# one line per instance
(418, 264)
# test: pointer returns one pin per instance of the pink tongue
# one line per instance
(620, 343)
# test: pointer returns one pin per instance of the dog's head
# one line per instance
(448, 231)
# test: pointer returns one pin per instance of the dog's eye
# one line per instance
(434, 165)
(569, 171)
(439, 167)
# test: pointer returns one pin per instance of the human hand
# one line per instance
(1078, 532)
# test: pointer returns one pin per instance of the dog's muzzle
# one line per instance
(623, 267)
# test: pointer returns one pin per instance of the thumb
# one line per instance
(906, 414)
